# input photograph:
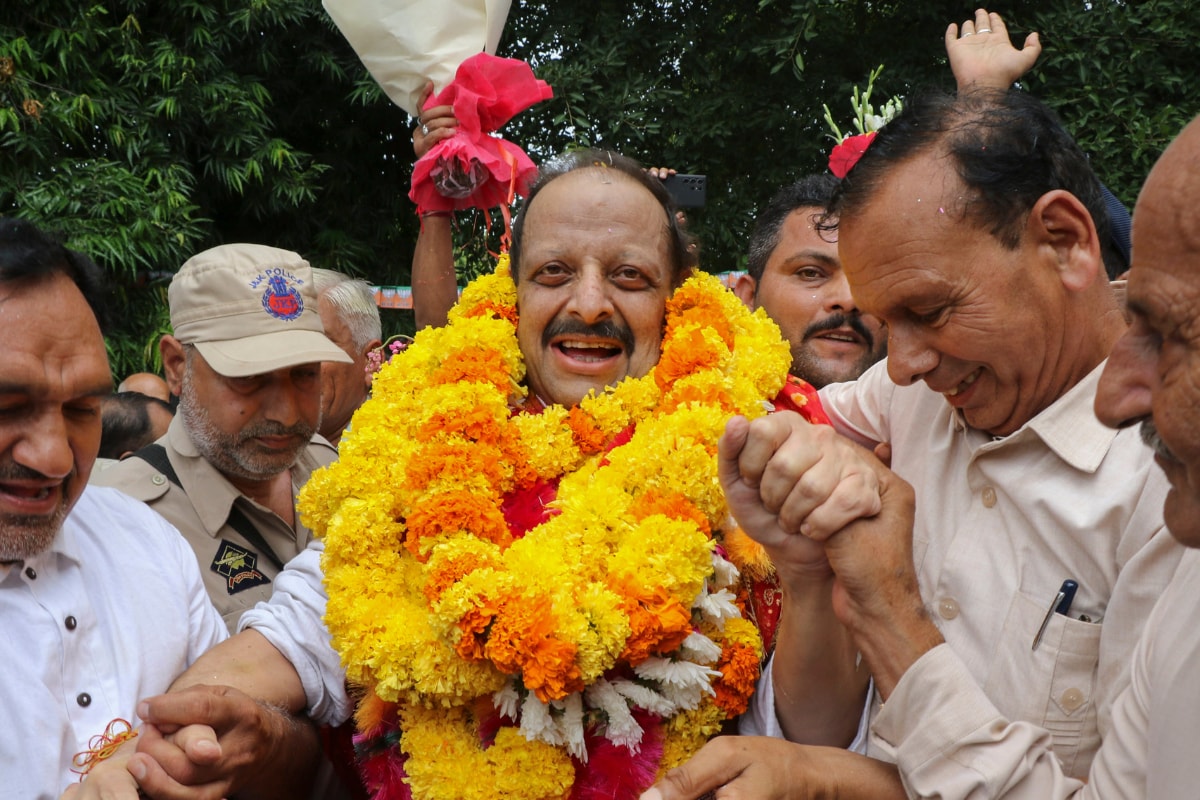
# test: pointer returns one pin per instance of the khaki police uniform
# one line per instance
(237, 573)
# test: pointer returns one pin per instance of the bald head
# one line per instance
(1153, 374)
(148, 384)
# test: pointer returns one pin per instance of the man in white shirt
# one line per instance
(101, 599)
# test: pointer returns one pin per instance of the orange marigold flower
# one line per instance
(473, 366)
(685, 354)
(489, 308)
(474, 626)
(682, 394)
(451, 512)
(705, 317)
(671, 505)
(658, 623)
(739, 667)
(454, 462)
(475, 424)
(521, 640)
(588, 436)
(447, 573)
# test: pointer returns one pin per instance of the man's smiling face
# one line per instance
(593, 283)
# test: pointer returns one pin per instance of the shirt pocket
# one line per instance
(1052, 686)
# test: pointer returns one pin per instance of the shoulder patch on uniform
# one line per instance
(238, 566)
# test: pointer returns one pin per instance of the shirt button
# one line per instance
(70, 623)
(1071, 699)
(947, 608)
(158, 479)
(84, 699)
(31, 573)
(989, 497)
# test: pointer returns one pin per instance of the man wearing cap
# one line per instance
(244, 358)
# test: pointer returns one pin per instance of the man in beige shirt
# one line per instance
(245, 359)
(1151, 380)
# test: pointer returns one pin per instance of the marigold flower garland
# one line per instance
(534, 604)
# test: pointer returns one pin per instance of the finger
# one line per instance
(202, 704)
(777, 452)
(981, 20)
(156, 783)
(425, 93)
(996, 23)
(714, 765)
(951, 35)
(200, 743)
(883, 451)
(968, 28)
(170, 756)
(729, 448)
(855, 497)
(1033, 46)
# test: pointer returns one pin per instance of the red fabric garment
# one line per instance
(474, 169)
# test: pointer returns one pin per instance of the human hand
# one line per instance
(876, 595)
(206, 742)
(984, 57)
(776, 769)
(433, 124)
(790, 485)
(662, 173)
(108, 779)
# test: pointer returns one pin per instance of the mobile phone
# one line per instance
(688, 191)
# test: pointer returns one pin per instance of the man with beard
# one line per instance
(795, 275)
(101, 599)
(245, 361)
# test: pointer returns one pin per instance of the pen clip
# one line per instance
(1058, 598)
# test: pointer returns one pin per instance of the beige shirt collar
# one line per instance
(202, 479)
(1068, 426)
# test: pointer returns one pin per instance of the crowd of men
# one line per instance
(1000, 608)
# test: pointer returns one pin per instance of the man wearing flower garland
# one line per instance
(599, 258)
(972, 226)
(244, 359)
(794, 274)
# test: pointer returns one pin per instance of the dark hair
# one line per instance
(1008, 149)
(28, 255)
(811, 191)
(125, 425)
(683, 254)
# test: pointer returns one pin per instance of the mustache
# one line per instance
(267, 428)
(12, 471)
(604, 330)
(1151, 439)
(840, 319)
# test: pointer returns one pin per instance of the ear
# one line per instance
(173, 360)
(371, 345)
(1061, 226)
(745, 287)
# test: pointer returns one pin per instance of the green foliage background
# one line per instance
(147, 131)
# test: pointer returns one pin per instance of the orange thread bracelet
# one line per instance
(102, 745)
